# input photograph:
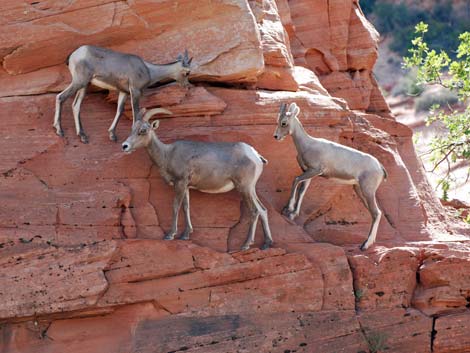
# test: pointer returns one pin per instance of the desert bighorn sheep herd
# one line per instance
(214, 167)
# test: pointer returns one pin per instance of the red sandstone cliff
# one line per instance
(83, 268)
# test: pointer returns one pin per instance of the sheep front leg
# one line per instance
(189, 227)
(76, 114)
(135, 99)
(289, 210)
(302, 190)
(120, 108)
(180, 190)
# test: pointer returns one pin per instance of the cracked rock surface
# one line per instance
(82, 264)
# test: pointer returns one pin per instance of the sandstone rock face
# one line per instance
(83, 267)
(41, 35)
(334, 40)
(451, 333)
(444, 282)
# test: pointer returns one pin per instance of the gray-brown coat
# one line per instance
(327, 159)
(212, 167)
(108, 69)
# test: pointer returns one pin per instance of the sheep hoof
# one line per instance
(288, 220)
(364, 246)
(169, 236)
(292, 216)
(286, 212)
(266, 246)
(59, 131)
(245, 247)
(83, 137)
(184, 236)
(113, 137)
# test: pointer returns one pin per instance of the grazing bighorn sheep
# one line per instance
(212, 167)
(126, 73)
(320, 157)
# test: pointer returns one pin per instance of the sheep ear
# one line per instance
(186, 59)
(155, 124)
(282, 113)
(292, 107)
(179, 58)
(296, 111)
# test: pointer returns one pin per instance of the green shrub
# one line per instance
(398, 21)
(429, 99)
(377, 341)
(438, 67)
(408, 85)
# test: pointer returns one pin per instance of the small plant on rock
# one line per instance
(358, 294)
(377, 342)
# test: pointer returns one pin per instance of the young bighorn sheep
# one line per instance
(126, 73)
(320, 157)
(212, 167)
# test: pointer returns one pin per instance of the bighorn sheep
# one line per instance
(212, 167)
(126, 73)
(320, 157)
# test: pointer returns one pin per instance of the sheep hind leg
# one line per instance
(376, 214)
(359, 193)
(250, 203)
(268, 239)
(59, 100)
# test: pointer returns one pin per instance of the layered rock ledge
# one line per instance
(83, 267)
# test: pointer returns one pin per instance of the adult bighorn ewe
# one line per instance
(320, 157)
(126, 73)
(212, 167)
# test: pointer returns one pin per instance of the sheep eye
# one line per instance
(142, 131)
(283, 124)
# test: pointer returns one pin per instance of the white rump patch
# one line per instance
(344, 181)
(226, 188)
(249, 150)
(102, 84)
